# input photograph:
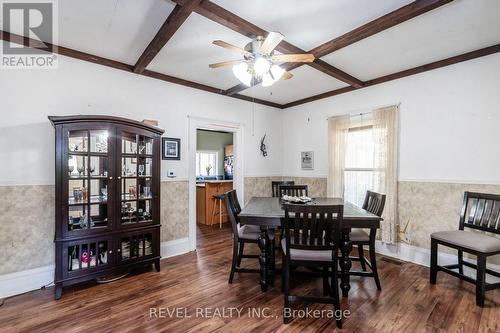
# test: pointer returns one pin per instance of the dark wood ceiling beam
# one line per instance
(380, 24)
(17, 39)
(232, 21)
(173, 22)
(408, 72)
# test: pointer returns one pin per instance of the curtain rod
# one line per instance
(364, 111)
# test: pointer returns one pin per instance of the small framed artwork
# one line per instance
(307, 160)
(171, 149)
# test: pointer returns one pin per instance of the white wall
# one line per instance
(27, 97)
(449, 123)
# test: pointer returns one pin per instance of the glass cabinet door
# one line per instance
(82, 256)
(89, 180)
(135, 175)
(136, 246)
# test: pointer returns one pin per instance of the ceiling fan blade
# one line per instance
(287, 76)
(231, 47)
(226, 63)
(272, 40)
(306, 57)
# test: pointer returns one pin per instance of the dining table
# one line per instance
(268, 213)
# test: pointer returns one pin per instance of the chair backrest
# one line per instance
(276, 186)
(374, 203)
(293, 190)
(481, 211)
(313, 227)
(233, 198)
(231, 213)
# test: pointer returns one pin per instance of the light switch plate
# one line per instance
(171, 174)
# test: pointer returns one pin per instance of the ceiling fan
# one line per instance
(260, 62)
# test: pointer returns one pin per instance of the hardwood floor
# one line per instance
(407, 302)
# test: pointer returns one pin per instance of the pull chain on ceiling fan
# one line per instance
(260, 63)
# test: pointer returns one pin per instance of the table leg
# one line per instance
(271, 269)
(220, 214)
(345, 262)
(264, 259)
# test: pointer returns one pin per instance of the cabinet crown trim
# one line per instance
(58, 120)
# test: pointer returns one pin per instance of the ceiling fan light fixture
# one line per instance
(267, 80)
(261, 66)
(277, 72)
(241, 72)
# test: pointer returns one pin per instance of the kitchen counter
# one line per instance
(206, 206)
(201, 183)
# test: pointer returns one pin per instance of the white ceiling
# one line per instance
(458, 27)
(122, 29)
(115, 29)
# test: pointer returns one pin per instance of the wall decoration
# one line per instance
(307, 160)
(171, 149)
(263, 148)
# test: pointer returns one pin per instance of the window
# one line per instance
(359, 164)
(206, 163)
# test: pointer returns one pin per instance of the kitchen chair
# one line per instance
(481, 213)
(292, 190)
(312, 237)
(276, 184)
(241, 234)
(374, 203)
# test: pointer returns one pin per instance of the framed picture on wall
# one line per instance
(307, 160)
(171, 148)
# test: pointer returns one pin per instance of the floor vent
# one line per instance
(392, 261)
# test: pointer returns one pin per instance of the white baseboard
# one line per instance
(174, 247)
(420, 256)
(20, 282)
(32, 279)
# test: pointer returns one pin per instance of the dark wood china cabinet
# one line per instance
(107, 197)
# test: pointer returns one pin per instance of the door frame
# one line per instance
(237, 129)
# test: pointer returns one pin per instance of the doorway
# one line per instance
(212, 165)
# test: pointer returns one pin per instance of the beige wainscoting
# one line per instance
(261, 186)
(258, 186)
(27, 214)
(174, 210)
(26, 227)
(433, 206)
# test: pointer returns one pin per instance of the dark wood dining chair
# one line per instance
(242, 234)
(312, 237)
(276, 185)
(374, 203)
(293, 190)
(480, 212)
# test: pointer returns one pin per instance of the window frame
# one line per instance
(214, 167)
(353, 128)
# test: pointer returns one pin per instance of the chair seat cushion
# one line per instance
(307, 255)
(251, 232)
(359, 235)
(470, 240)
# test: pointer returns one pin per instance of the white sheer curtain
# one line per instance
(338, 128)
(384, 122)
(385, 133)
